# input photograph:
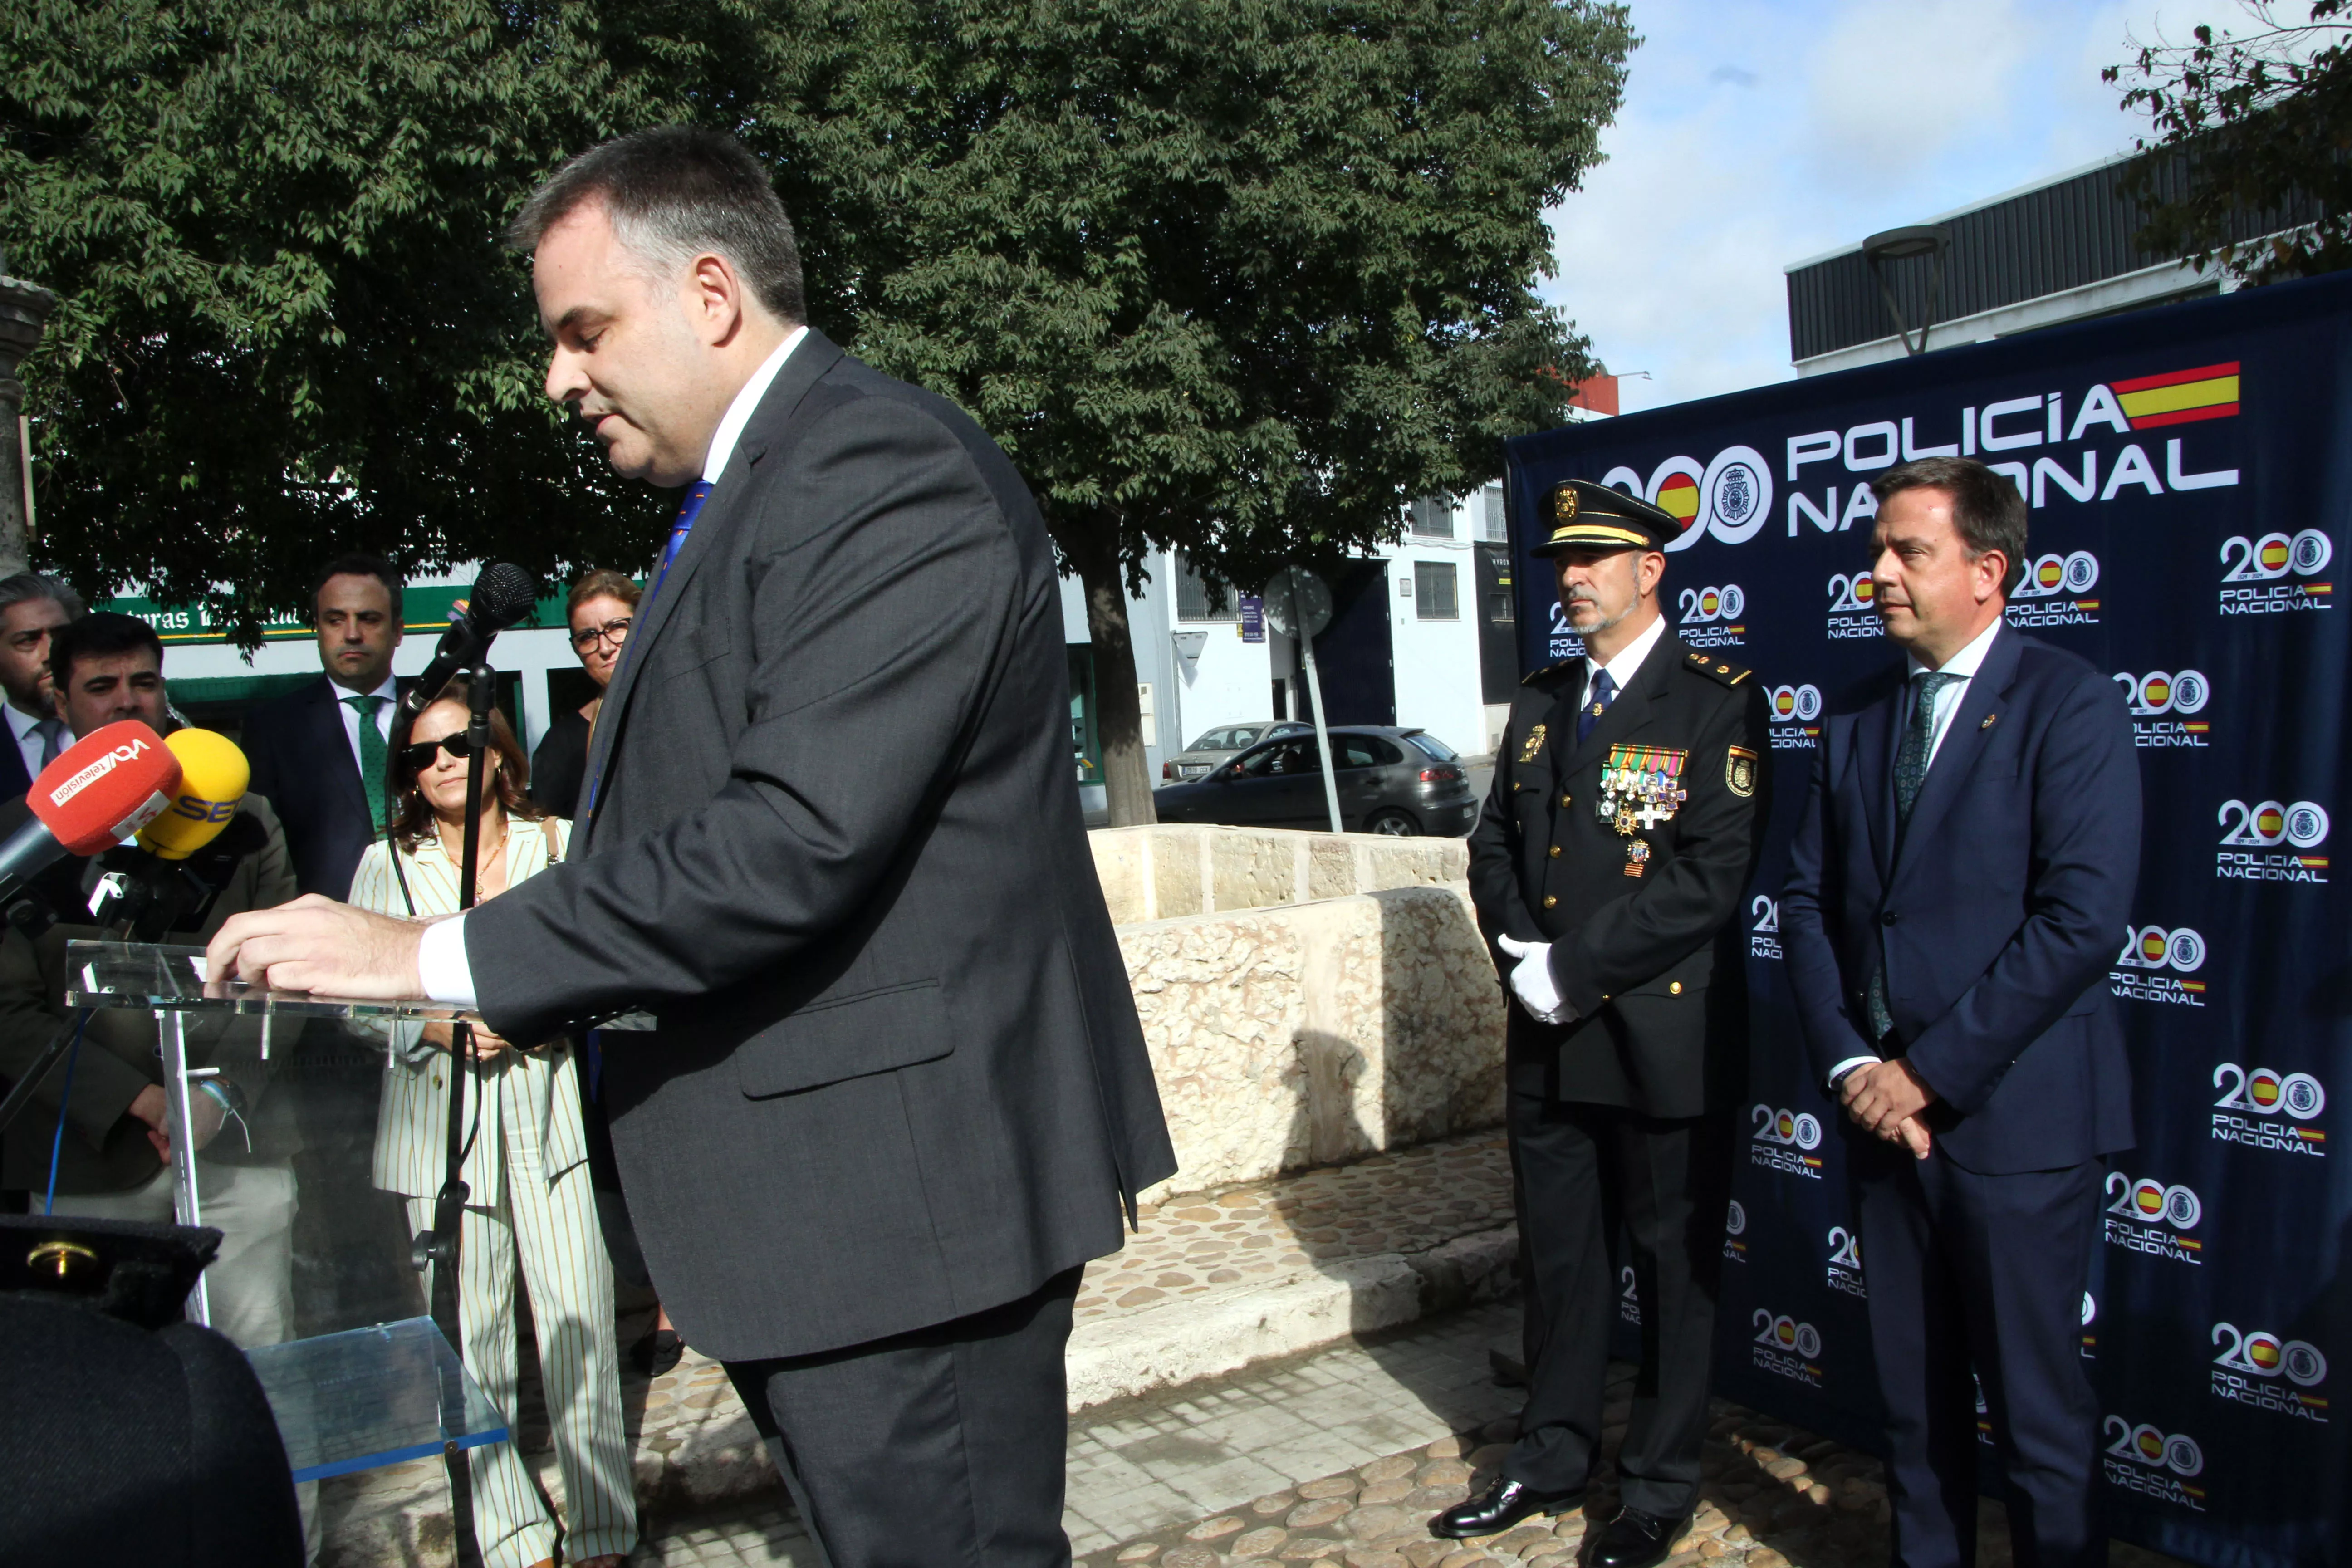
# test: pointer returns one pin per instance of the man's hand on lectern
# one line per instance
(317, 944)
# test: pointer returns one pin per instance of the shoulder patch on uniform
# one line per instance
(1718, 670)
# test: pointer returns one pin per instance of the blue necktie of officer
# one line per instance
(1604, 692)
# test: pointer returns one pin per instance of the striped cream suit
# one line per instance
(528, 1199)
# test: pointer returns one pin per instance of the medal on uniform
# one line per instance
(1640, 787)
(1534, 744)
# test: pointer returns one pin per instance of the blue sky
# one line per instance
(1755, 134)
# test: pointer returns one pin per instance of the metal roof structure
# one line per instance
(2068, 234)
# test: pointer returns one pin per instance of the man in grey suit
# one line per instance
(831, 839)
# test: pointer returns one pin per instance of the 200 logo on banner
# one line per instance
(2253, 1360)
(1709, 616)
(2153, 964)
(2302, 825)
(2252, 1102)
(2266, 561)
(2051, 593)
(1783, 1140)
(2153, 698)
(1786, 1348)
(2140, 1213)
(2146, 1459)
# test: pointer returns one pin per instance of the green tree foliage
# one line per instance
(1237, 276)
(2251, 122)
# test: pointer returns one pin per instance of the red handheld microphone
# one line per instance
(102, 789)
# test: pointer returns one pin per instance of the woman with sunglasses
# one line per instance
(600, 610)
(526, 1167)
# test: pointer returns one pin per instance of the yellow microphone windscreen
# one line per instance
(213, 776)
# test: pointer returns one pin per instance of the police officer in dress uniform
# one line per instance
(1607, 868)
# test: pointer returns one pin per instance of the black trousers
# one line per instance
(1966, 1269)
(943, 1446)
(1584, 1174)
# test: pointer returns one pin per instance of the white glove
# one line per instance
(1531, 980)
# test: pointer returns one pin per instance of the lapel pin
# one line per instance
(1989, 719)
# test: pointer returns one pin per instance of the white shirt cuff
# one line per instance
(1847, 1065)
(441, 967)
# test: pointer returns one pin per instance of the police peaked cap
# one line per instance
(1578, 511)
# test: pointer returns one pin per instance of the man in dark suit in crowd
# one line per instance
(318, 751)
(32, 606)
(1964, 863)
(1609, 869)
(897, 1091)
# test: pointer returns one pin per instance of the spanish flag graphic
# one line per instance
(1679, 495)
(2179, 396)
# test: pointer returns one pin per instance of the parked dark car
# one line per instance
(1201, 758)
(1401, 781)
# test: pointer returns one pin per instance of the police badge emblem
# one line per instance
(1563, 505)
(1740, 771)
(1534, 744)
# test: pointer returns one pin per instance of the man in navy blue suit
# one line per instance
(1960, 881)
(318, 752)
(31, 606)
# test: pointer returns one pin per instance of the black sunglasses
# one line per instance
(416, 759)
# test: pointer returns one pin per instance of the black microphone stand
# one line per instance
(439, 1248)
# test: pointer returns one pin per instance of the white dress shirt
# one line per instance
(26, 729)
(1964, 664)
(390, 692)
(1626, 665)
(442, 968)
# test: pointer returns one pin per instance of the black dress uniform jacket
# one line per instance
(1650, 962)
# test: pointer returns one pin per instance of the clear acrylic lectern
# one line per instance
(275, 1101)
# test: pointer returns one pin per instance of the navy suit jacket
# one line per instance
(1998, 914)
(13, 780)
(302, 761)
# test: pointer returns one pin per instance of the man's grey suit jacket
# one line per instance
(836, 851)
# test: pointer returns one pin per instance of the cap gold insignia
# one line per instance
(1563, 505)
(1740, 771)
(1534, 744)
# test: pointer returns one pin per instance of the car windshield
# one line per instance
(1231, 739)
(1289, 757)
(1435, 747)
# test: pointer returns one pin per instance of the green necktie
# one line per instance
(372, 758)
(1911, 759)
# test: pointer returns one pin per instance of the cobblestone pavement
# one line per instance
(1338, 1459)
(1409, 1201)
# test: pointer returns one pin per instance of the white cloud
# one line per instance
(1758, 133)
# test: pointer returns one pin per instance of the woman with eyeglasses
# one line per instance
(600, 609)
(530, 1200)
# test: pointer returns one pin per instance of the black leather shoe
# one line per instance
(1502, 1505)
(1634, 1540)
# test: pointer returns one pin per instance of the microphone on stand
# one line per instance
(146, 888)
(501, 595)
(100, 790)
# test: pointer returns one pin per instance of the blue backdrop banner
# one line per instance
(2190, 474)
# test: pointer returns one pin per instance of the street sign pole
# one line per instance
(1305, 609)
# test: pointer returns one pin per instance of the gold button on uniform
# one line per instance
(1675, 988)
(1549, 900)
(1554, 851)
(1563, 800)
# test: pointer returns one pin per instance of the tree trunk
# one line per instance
(1118, 717)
